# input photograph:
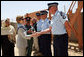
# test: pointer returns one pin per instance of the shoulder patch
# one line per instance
(63, 15)
(49, 22)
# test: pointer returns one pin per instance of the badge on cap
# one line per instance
(28, 18)
(52, 4)
(37, 14)
(43, 12)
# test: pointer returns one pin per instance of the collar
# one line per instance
(39, 20)
(56, 12)
(45, 20)
(20, 25)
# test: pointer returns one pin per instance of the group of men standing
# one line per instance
(44, 29)
(57, 27)
(44, 40)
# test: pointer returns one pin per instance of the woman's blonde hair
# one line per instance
(19, 18)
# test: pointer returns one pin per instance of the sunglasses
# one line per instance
(22, 19)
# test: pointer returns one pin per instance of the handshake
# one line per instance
(33, 33)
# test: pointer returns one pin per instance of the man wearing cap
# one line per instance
(45, 39)
(39, 23)
(30, 42)
(59, 23)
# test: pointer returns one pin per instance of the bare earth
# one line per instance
(70, 52)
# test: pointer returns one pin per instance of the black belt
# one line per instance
(60, 35)
(38, 31)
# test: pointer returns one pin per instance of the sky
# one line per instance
(11, 9)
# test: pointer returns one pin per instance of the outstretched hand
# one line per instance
(36, 34)
(29, 31)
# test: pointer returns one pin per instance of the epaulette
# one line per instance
(63, 15)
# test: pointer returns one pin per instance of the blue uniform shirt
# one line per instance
(45, 24)
(39, 23)
(57, 23)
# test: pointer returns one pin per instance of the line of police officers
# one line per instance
(45, 39)
(57, 25)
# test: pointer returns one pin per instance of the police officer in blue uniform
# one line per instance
(38, 29)
(45, 39)
(60, 36)
(58, 27)
(39, 22)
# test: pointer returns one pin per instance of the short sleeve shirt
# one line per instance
(45, 24)
(39, 23)
(57, 23)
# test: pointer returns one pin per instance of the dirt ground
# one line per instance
(70, 52)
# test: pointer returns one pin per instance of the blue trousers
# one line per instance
(60, 43)
(45, 44)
